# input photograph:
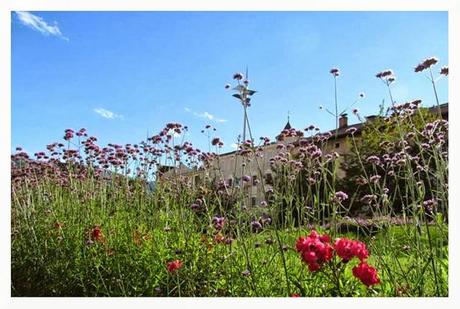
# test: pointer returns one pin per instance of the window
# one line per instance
(253, 201)
(270, 197)
(237, 181)
(230, 182)
(337, 145)
(269, 179)
(254, 180)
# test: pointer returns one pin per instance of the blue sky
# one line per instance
(122, 75)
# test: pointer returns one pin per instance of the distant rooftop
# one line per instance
(358, 126)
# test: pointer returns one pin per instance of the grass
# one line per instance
(51, 255)
(85, 221)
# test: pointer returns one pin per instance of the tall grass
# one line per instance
(86, 222)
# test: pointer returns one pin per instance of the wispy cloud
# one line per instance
(206, 115)
(39, 24)
(106, 113)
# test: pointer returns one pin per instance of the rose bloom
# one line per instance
(174, 266)
(348, 249)
(314, 249)
(367, 274)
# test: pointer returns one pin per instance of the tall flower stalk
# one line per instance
(336, 114)
(388, 78)
(426, 65)
(335, 73)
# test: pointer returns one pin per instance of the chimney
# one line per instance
(343, 121)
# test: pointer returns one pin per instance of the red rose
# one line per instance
(367, 274)
(344, 248)
(348, 249)
(314, 250)
(360, 250)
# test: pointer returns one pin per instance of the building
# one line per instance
(228, 166)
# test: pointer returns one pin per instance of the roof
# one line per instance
(287, 126)
(358, 126)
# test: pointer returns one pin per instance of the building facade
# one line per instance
(239, 171)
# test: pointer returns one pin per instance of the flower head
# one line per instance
(340, 196)
(246, 178)
(444, 71)
(368, 198)
(238, 76)
(428, 62)
(375, 178)
(216, 141)
(218, 222)
(419, 68)
(256, 226)
(314, 249)
(430, 204)
(373, 160)
(335, 72)
(347, 249)
(367, 274)
(384, 73)
(173, 266)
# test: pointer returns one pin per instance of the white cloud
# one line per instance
(234, 146)
(205, 115)
(106, 113)
(37, 23)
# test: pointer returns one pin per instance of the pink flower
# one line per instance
(344, 248)
(367, 274)
(218, 222)
(314, 249)
(340, 196)
(348, 249)
(246, 178)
